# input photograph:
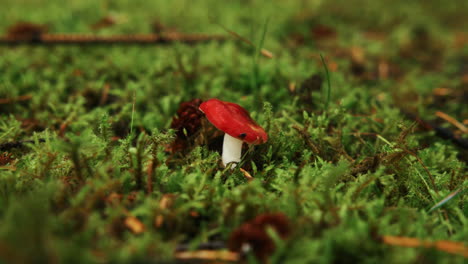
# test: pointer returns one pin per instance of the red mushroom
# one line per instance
(237, 125)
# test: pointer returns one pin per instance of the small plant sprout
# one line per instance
(237, 125)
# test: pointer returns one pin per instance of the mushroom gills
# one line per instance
(232, 150)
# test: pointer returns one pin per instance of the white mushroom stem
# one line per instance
(232, 150)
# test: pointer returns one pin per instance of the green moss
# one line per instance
(346, 167)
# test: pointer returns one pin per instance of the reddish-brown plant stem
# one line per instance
(46, 39)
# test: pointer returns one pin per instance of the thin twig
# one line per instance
(440, 131)
(210, 245)
(91, 39)
(266, 53)
(362, 187)
(451, 247)
(452, 121)
(208, 255)
(305, 135)
(16, 99)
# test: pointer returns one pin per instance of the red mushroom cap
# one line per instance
(234, 120)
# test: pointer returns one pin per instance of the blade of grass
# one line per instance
(327, 74)
(446, 199)
(259, 47)
(420, 175)
(264, 52)
(133, 112)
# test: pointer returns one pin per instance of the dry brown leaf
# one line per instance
(113, 198)
(105, 94)
(246, 174)
(26, 31)
(266, 53)
(383, 69)
(104, 22)
(357, 54)
(6, 158)
(223, 255)
(441, 91)
(464, 78)
(322, 32)
(134, 224)
(461, 40)
(292, 87)
(254, 234)
(332, 66)
(186, 124)
(375, 35)
(194, 214)
(166, 201)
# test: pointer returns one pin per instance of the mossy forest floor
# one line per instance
(364, 164)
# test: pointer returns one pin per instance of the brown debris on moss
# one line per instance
(166, 202)
(26, 31)
(424, 49)
(311, 84)
(6, 158)
(253, 234)
(321, 32)
(186, 124)
(105, 22)
(134, 225)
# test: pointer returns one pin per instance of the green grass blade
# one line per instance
(327, 74)
(446, 199)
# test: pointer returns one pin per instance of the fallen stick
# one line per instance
(16, 99)
(452, 121)
(208, 255)
(451, 247)
(92, 39)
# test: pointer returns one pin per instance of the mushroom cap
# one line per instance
(234, 120)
